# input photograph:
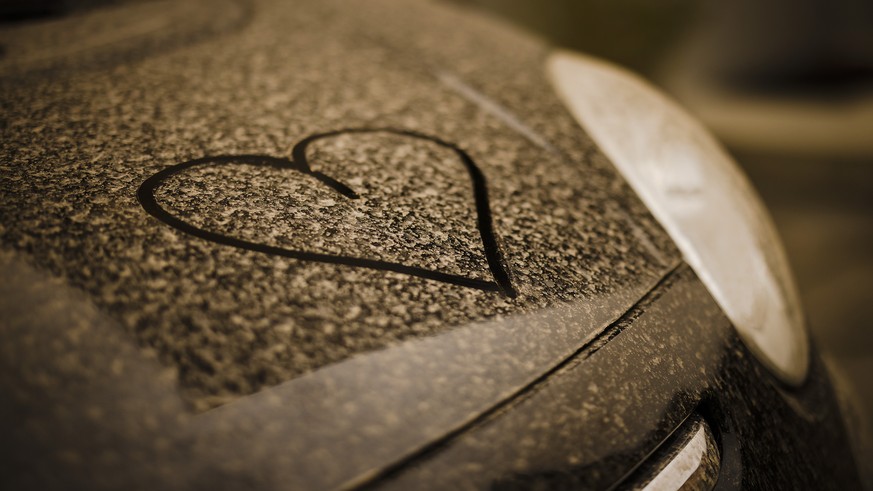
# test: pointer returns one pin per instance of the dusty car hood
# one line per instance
(293, 208)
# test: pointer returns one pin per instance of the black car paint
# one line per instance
(604, 411)
(88, 408)
(233, 322)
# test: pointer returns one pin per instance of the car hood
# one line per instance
(308, 244)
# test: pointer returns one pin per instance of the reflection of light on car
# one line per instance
(699, 195)
(675, 170)
(689, 461)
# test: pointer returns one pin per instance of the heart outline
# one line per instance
(499, 270)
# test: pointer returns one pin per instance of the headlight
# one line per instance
(700, 197)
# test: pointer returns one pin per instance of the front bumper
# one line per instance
(77, 417)
(594, 422)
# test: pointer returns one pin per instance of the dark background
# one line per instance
(790, 93)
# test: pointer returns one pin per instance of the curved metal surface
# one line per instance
(351, 369)
(117, 32)
(690, 461)
(131, 350)
(597, 421)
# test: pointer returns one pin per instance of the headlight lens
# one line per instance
(700, 197)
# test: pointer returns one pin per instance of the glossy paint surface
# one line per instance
(114, 419)
(603, 413)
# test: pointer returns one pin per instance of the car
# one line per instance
(382, 245)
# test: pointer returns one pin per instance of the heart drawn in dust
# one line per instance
(299, 163)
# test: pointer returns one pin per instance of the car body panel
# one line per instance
(233, 321)
(352, 368)
(602, 413)
(141, 356)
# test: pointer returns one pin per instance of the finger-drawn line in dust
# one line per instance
(300, 163)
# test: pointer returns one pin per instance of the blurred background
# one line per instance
(787, 85)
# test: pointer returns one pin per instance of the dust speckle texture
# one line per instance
(415, 203)
(232, 322)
